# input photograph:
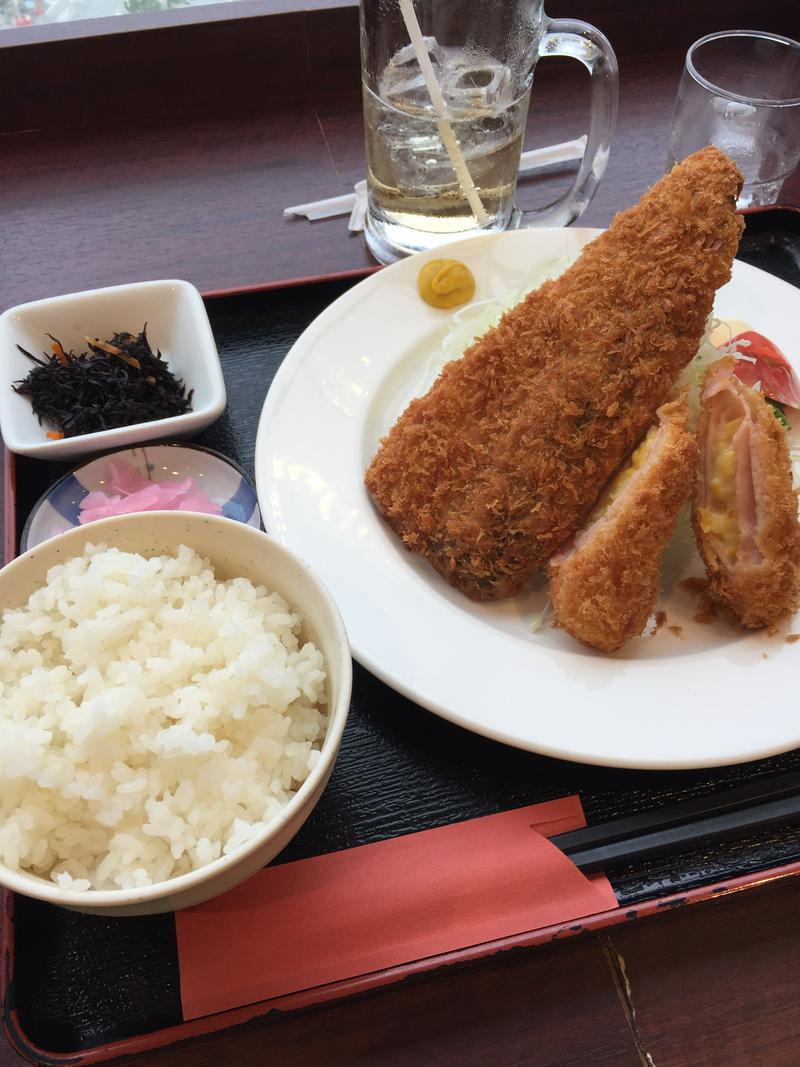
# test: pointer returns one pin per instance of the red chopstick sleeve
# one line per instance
(320, 920)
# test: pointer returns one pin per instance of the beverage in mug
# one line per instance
(482, 56)
(411, 178)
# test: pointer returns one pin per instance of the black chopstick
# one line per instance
(720, 816)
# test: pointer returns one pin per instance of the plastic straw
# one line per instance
(442, 118)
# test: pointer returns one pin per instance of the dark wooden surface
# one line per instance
(187, 177)
(192, 184)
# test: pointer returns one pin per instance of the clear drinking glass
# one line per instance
(740, 90)
(483, 54)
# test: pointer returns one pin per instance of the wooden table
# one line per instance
(155, 192)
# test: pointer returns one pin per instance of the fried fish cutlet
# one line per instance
(745, 508)
(604, 584)
(504, 457)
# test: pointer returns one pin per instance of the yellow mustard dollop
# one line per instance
(445, 283)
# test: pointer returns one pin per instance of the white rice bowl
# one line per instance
(153, 718)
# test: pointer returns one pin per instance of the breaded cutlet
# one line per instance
(745, 506)
(604, 584)
(505, 456)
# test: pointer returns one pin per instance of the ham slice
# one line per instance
(745, 519)
(604, 583)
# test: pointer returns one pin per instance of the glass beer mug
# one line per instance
(482, 55)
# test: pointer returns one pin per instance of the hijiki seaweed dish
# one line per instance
(119, 382)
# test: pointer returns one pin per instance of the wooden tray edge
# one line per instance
(351, 987)
(240, 1016)
(290, 283)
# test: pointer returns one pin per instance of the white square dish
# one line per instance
(177, 325)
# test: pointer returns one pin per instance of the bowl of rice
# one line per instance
(174, 691)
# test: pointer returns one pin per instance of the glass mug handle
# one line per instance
(579, 40)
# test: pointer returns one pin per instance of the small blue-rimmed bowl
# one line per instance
(59, 509)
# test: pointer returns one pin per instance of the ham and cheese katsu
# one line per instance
(745, 508)
(605, 582)
(490, 472)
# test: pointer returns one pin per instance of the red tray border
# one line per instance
(306, 998)
(353, 986)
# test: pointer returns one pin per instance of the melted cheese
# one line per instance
(623, 476)
(719, 516)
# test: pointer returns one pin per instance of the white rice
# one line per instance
(152, 718)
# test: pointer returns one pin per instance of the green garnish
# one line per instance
(538, 620)
(780, 414)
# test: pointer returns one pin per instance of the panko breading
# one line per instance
(503, 459)
(745, 508)
(604, 584)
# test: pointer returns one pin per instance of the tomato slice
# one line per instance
(766, 363)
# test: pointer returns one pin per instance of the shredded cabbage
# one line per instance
(695, 371)
(541, 617)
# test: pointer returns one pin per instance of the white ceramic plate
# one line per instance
(710, 696)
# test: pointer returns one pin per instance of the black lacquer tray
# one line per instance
(80, 988)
